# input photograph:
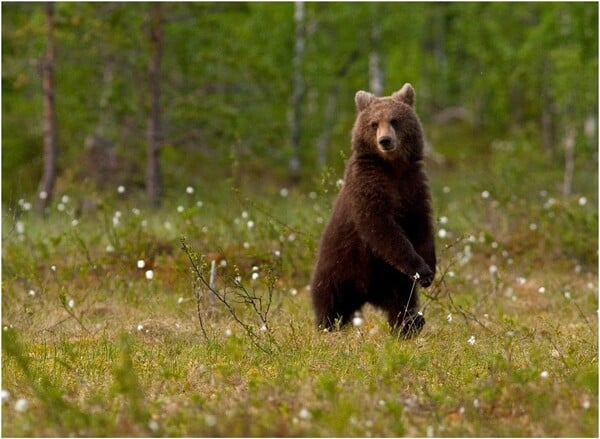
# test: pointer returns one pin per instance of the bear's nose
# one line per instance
(385, 142)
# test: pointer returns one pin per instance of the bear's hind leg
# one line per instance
(334, 310)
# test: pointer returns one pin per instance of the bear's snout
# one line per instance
(386, 143)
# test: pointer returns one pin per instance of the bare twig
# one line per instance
(242, 293)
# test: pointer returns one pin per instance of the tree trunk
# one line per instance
(298, 90)
(153, 178)
(546, 120)
(569, 145)
(46, 186)
(375, 72)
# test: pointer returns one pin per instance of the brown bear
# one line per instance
(379, 241)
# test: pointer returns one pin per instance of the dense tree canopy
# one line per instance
(227, 80)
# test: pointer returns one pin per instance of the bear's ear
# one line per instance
(406, 94)
(363, 99)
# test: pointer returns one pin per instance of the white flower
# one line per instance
(121, 189)
(53, 268)
(189, 190)
(246, 245)
(568, 295)
(135, 211)
(228, 332)
(254, 276)
(471, 340)
(180, 209)
(5, 395)
(244, 214)
(312, 195)
(26, 205)
(476, 403)
(284, 192)
(60, 207)
(443, 220)
(71, 303)
(582, 201)
(75, 222)
(541, 290)
(168, 225)
(293, 291)
(493, 269)
(20, 226)
(199, 203)
(140, 327)
(210, 420)
(141, 263)
(533, 226)
(585, 404)
(449, 318)
(32, 293)
(250, 224)
(180, 300)
(305, 414)
(153, 425)
(291, 237)
(110, 248)
(357, 321)
(544, 374)
(264, 328)
(446, 190)
(485, 195)
(21, 405)
(339, 183)
(149, 274)
(442, 233)
(521, 280)
(43, 195)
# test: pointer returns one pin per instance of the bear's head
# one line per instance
(388, 126)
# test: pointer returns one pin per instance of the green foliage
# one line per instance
(226, 84)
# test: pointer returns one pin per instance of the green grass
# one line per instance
(97, 349)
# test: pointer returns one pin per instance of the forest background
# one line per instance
(168, 168)
(266, 89)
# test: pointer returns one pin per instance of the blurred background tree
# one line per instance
(226, 74)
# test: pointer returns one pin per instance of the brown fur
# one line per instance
(380, 233)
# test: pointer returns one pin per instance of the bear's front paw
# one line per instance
(424, 276)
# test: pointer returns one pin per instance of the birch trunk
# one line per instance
(375, 72)
(298, 90)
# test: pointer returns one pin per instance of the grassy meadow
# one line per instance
(110, 327)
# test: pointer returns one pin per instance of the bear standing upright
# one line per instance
(379, 241)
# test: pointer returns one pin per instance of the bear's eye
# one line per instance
(395, 123)
(374, 125)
